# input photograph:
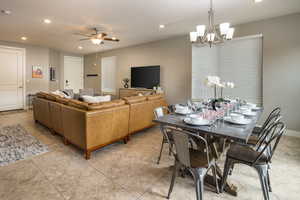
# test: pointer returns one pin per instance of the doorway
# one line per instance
(12, 78)
(73, 73)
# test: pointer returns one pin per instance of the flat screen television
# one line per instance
(145, 77)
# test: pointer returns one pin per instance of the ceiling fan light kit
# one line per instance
(97, 38)
(213, 34)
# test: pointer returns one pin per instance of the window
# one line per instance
(239, 61)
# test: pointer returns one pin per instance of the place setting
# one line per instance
(236, 118)
(197, 120)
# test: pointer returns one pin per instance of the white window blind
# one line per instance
(205, 61)
(108, 74)
(239, 61)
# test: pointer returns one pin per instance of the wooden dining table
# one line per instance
(220, 135)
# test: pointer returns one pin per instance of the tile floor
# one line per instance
(128, 172)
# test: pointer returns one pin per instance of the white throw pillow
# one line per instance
(96, 99)
(104, 98)
(60, 93)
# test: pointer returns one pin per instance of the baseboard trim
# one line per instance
(292, 133)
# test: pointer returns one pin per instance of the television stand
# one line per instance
(127, 92)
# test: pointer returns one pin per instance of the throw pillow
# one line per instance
(96, 99)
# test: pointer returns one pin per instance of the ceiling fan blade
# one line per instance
(83, 34)
(84, 39)
(112, 39)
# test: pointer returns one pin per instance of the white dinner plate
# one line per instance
(256, 108)
(244, 121)
(183, 112)
(202, 122)
(249, 114)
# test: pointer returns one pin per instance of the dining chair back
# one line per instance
(160, 111)
(197, 161)
(264, 134)
(167, 138)
(258, 159)
(275, 112)
(273, 137)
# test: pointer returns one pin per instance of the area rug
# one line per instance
(17, 144)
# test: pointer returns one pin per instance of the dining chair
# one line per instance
(257, 130)
(197, 161)
(256, 158)
(160, 112)
(260, 137)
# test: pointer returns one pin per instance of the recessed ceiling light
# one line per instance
(257, 1)
(162, 26)
(24, 38)
(6, 12)
(47, 21)
(80, 47)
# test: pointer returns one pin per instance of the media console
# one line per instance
(127, 92)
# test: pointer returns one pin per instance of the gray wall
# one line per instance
(45, 57)
(35, 55)
(281, 64)
(92, 65)
(173, 55)
(54, 57)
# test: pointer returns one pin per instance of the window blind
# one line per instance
(239, 61)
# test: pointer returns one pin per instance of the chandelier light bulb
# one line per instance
(230, 33)
(210, 37)
(212, 33)
(193, 36)
(96, 41)
(201, 30)
(224, 27)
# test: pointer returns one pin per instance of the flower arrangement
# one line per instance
(215, 82)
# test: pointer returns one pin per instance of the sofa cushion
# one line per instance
(60, 93)
(105, 105)
(41, 95)
(96, 99)
(51, 97)
(62, 100)
(78, 104)
(154, 96)
(134, 99)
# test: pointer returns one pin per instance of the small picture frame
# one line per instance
(37, 71)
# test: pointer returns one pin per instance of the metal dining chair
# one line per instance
(197, 161)
(257, 130)
(255, 158)
(260, 137)
(160, 112)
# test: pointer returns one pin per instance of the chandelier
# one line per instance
(213, 34)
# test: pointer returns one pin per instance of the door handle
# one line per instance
(20, 87)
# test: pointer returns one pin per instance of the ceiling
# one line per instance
(133, 21)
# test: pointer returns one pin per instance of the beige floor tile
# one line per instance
(22, 180)
(128, 171)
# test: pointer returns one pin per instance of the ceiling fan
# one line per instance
(97, 37)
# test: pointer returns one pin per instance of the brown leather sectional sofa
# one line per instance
(92, 126)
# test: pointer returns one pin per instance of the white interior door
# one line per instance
(11, 78)
(73, 73)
